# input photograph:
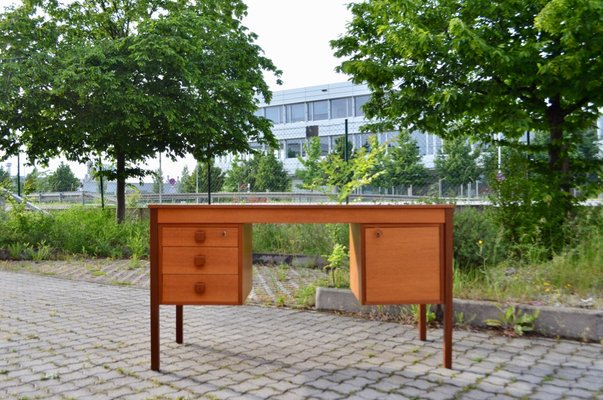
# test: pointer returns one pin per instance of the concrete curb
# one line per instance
(571, 323)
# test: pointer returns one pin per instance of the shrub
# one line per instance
(89, 232)
(478, 239)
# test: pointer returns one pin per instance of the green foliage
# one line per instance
(403, 164)
(271, 175)
(460, 68)
(311, 174)
(260, 173)
(124, 82)
(189, 181)
(478, 238)
(456, 162)
(514, 321)
(63, 179)
(573, 273)
(305, 296)
(36, 182)
(430, 315)
(338, 265)
(304, 239)
(89, 232)
(360, 170)
(5, 179)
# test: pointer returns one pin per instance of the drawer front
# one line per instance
(200, 235)
(200, 260)
(200, 289)
(403, 264)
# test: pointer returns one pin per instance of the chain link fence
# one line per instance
(312, 163)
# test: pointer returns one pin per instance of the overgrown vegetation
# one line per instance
(494, 269)
(75, 231)
(487, 265)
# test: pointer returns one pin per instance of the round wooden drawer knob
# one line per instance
(200, 236)
(199, 287)
(199, 261)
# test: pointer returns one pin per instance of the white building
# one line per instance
(299, 114)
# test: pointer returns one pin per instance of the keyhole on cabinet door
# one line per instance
(378, 233)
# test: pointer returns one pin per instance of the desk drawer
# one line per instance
(200, 289)
(200, 235)
(200, 260)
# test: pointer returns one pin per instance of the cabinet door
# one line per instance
(403, 264)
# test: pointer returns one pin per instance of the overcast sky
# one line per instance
(294, 34)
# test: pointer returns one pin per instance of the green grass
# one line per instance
(486, 266)
(573, 275)
(302, 239)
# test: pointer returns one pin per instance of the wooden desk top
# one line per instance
(302, 213)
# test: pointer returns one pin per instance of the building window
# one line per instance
(293, 148)
(274, 114)
(259, 112)
(359, 102)
(324, 145)
(256, 146)
(342, 108)
(318, 110)
(295, 112)
(421, 140)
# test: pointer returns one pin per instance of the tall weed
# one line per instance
(306, 239)
(77, 230)
(478, 239)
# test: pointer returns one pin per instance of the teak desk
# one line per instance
(399, 254)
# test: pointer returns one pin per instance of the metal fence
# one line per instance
(274, 175)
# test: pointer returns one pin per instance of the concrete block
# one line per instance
(565, 322)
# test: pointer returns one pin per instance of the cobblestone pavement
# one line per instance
(62, 339)
(272, 285)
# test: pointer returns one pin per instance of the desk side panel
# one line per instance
(356, 260)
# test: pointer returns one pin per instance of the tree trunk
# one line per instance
(121, 187)
(559, 163)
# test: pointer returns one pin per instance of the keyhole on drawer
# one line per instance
(223, 234)
(378, 233)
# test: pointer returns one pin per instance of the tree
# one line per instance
(5, 179)
(358, 171)
(188, 180)
(262, 172)
(123, 80)
(241, 176)
(63, 179)
(35, 181)
(453, 67)
(310, 174)
(404, 165)
(456, 162)
(271, 175)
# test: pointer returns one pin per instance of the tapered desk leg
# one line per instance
(422, 322)
(179, 323)
(448, 322)
(448, 301)
(154, 258)
(154, 336)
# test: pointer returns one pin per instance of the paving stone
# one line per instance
(69, 329)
